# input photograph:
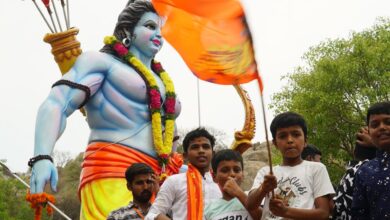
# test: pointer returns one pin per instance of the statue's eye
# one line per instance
(150, 26)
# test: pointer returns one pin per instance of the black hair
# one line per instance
(226, 155)
(137, 169)
(377, 109)
(199, 132)
(288, 119)
(310, 150)
(128, 19)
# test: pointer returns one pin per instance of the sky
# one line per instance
(283, 30)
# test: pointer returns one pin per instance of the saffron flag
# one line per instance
(213, 38)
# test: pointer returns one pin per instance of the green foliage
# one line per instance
(13, 205)
(67, 196)
(277, 158)
(342, 78)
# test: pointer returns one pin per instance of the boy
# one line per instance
(184, 195)
(371, 196)
(364, 151)
(301, 187)
(311, 153)
(141, 182)
(227, 168)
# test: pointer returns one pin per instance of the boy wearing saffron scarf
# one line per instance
(183, 196)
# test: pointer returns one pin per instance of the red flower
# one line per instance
(155, 99)
(120, 49)
(164, 156)
(170, 103)
(157, 67)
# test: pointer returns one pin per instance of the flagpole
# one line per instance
(265, 126)
(197, 86)
(265, 123)
(8, 172)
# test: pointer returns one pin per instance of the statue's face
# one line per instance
(148, 39)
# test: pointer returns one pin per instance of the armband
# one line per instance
(75, 86)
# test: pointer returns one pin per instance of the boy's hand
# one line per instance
(278, 207)
(269, 183)
(363, 138)
(231, 187)
(156, 184)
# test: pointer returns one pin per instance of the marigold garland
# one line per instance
(38, 202)
(162, 145)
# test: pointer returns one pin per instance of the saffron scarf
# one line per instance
(194, 194)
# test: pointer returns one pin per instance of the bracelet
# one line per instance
(38, 158)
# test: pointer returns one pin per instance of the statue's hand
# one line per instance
(42, 172)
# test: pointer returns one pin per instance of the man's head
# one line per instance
(198, 148)
(289, 132)
(378, 121)
(139, 177)
(311, 153)
(227, 163)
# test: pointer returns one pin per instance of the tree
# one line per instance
(67, 196)
(13, 205)
(220, 138)
(61, 158)
(342, 78)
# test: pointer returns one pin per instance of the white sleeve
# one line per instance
(164, 200)
(259, 179)
(322, 184)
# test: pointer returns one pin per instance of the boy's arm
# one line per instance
(163, 201)
(233, 189)
(162, 217)
(321, 210)
(257, 195)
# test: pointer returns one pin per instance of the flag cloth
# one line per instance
(213, 38)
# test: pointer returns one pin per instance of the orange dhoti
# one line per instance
(102, 182)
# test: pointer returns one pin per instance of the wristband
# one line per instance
(38, 158)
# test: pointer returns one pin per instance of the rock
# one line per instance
(250, 170)
(254, 159)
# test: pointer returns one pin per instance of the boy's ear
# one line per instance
(214, 176)
(129, 186)
(274, 143)
(185, 155)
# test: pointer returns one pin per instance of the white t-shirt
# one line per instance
(300, 185)
(222, 209)
(172, 197)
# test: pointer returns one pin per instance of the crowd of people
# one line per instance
(298, 188)
(131, 108)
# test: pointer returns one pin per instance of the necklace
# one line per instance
(162, 145)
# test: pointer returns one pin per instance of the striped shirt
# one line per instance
(129, 212)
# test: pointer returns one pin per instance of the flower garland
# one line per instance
(163, 146)
(38, 202)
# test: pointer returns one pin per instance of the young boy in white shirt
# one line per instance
(301, 188)
(184, 195)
